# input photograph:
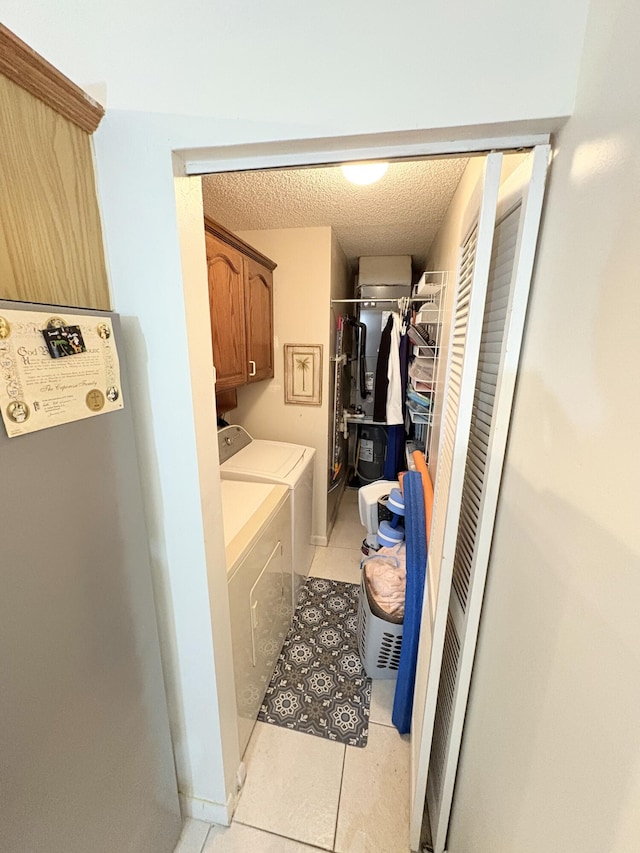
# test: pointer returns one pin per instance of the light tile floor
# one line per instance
(304, 793)
(293, 785)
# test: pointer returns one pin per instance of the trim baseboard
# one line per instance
(207, 810)
(319, 540)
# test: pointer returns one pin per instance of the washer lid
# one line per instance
(271, 459)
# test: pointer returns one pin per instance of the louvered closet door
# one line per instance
(516, 231)
(471, 285)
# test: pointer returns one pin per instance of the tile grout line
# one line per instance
(206, 838)
(356, 548)
(335, 832)
(278, 835)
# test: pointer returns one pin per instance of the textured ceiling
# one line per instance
(399, 215)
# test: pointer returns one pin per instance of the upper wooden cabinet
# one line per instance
(259, 315)
(225, 271)
(241, 307)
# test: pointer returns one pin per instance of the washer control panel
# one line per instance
(231, 439)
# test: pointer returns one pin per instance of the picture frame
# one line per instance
(303, 374)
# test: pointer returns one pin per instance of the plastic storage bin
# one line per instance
(379, 641)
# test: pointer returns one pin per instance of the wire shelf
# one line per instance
(430, 290)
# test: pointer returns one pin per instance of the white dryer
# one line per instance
(256, 460)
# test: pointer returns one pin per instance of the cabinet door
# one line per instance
(259, 313)
(227, 309)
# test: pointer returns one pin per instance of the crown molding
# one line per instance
(31, 72)
(238, 243)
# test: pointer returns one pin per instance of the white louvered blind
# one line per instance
(491, 342)
(446, 695)
(502, 327)
(471, 283)
(454, 378)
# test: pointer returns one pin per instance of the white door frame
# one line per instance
(407, 145)
(330, 151)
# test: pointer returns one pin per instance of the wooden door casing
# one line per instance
(227, 308)
(259, 316)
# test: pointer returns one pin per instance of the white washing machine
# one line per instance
(256, 460)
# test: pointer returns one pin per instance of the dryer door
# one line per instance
(260, 607)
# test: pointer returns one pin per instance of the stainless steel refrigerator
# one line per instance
(86, 763)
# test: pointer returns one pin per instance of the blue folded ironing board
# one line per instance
(416, 542)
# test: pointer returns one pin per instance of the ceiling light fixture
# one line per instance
(364, 173)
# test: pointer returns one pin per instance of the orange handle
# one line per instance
(427, 487)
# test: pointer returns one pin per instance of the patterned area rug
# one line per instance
(319, 686)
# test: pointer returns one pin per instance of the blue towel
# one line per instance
(416, 539)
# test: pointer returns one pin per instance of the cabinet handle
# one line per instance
(252, 371)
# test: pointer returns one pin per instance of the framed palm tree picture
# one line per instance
(303, 374)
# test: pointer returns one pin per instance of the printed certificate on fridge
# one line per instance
(55, 369)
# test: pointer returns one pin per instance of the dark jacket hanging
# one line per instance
(382, 382)
(405, 352)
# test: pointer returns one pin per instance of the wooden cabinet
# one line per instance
(259, 316)
(225, 271)
(241, 308)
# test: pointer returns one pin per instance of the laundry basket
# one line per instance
(379, 641)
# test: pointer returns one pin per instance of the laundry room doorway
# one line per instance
(437, 595)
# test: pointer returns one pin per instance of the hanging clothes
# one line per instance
(396, 375)
(405, 354)
(382, 368)
(394, 460)
(394, 385)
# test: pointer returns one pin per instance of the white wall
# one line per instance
(334, 68)
(551, 754)
(213, 746)
(301, 294)
(137, 198)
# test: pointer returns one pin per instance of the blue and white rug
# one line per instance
(319, 686)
